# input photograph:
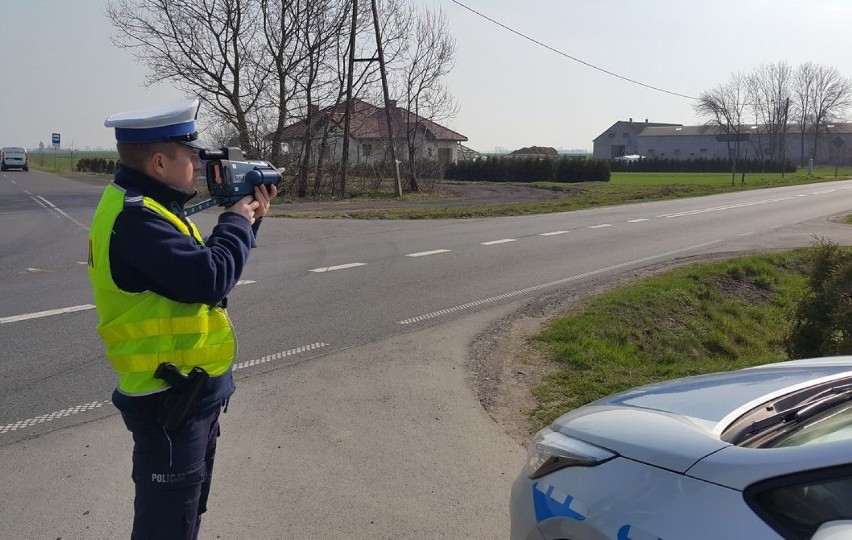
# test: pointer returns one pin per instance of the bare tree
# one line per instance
(425, 62)
(724, 107)
(258, 65)
(803, 82)
(831, 96)
(769, 88)
(280, 20)
(207, 48)
(821, 95)
(320, 29)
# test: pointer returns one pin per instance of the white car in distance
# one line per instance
(13, 157)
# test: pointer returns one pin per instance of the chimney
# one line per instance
(391, 104)
(631, 119)
(646, 120)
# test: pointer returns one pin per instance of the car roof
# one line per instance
(674, 424)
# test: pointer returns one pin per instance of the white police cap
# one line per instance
(172, 122)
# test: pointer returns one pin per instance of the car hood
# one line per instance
(676, 423)
(661, 439)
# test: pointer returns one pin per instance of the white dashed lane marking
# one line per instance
(60, 311)
(58, 211)
(92, 405)
(637, 220)
(425, 253)
(601, 226)
(38, 202)
(495, 242)
(721, 208)
(513, 294)
(338, 267)
(29, 422)
(554, 233)
(48, 313)
(279, 355)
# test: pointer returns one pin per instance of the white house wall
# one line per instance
(683, 147)
(833, 148)
(358, 153)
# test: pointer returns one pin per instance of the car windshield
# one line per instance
(834, 425)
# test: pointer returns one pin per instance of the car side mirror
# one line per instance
(834, 530)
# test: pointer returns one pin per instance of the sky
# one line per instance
(62, 74)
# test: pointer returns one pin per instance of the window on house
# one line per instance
(367, 149)
(677, 152)
(429, 152)
(702, 151)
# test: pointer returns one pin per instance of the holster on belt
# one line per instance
(177, 404)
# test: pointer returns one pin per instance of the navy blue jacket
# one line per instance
(147, 253)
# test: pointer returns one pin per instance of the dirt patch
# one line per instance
(448, 196)
(504, 368)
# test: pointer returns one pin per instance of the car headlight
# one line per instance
(552, 451)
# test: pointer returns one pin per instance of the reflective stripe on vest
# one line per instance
(142, 330)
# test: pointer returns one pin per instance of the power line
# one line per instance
(557, 51)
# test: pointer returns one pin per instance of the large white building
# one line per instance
(675, 141)
(621, 139)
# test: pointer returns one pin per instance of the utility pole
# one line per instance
(389, 120)
(347, 112)
(784, 140)
(379, 48)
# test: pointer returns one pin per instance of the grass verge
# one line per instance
(693, 320)
(622, 189)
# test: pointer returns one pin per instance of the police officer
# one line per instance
(160, 293)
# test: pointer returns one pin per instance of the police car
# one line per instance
(764, 452)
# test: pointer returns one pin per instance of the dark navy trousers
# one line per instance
(172, 471)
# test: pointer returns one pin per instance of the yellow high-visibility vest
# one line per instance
(141, 330)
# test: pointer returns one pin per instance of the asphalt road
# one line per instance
(317, 286)
(354, 415)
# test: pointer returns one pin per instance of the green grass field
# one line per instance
(697, 319)
(756, 179)
(623, 188)
(65, 161)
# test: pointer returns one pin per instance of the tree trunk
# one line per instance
(318, 174)
(302, 189)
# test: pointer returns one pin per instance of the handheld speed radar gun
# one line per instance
(230, 177)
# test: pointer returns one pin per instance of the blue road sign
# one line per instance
(55, 139)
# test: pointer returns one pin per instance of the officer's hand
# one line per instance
(246, 207)
(264, 197)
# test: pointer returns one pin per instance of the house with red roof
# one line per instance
(368, 134)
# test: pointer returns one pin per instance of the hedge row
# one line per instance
(501, 169)
(715, 165)
(96, 165)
